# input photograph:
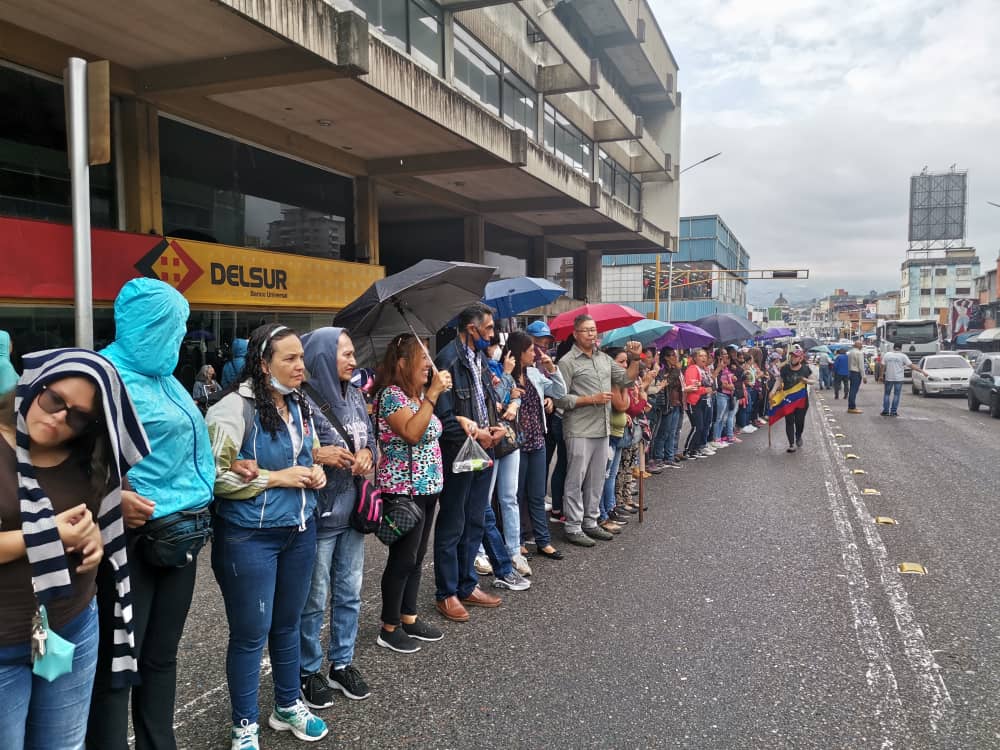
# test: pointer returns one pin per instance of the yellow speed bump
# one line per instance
(857, 471)
(885, 521)
(839, 435)
(870, 491)
(851, 456)
(913, 568)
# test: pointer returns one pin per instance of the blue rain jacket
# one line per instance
(232, 369)
(8, 375)
(150, 322)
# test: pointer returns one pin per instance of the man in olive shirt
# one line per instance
(589, 374)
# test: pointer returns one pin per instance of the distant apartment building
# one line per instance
(932, 278)
(307, 232)
(709, 274)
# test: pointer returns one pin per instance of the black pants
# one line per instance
(838, 382)
(555, 446)
(401, 578)
(161, 598)
(697, 414)
(795, 423)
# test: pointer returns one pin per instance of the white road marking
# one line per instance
(939, 708)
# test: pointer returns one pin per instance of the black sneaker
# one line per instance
(315, 692)
(798, 441)
(883, 414)
(422, 631)
(350, 682)
(397, 641)
(791, 449)
(619, 516)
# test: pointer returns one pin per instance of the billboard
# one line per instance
(964, 315)
(937, 206)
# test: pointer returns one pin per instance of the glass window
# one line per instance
(568, 142)
(477, 70)
(220, 190)
(940, 271)
(425, 35)
(635, 193)
(34, 171)
(518, 104)
(621, 184)
(963, 290)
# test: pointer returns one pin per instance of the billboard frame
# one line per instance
(938, 203)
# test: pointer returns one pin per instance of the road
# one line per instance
(758, 606)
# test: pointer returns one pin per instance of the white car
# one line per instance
(946, 373)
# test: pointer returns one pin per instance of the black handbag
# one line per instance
(400, 515)
(511, 440)
(176, 539)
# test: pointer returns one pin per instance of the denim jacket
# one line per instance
(458, 402)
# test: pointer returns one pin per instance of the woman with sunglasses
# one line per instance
(67, 435)
(167, 493)
(265, 530)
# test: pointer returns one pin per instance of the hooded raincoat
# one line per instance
(179, 472)
(232, 369)
(347, 403)
(8, 375)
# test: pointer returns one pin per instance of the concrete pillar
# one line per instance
(475, 239)
(593, 282)
(448, 37)
(140, 139)
(538, 258)
(366, 221)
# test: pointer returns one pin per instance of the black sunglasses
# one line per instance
(78, 420)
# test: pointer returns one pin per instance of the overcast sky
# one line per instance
(823, 111)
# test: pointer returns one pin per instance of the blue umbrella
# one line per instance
(644, 331)
(512, 296)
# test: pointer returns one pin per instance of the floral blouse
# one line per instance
(393, 474)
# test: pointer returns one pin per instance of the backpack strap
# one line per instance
(324, 406)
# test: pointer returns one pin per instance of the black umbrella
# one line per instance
(807, 343)
(421, 299)
(726, 328)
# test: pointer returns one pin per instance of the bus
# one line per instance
(919, 338)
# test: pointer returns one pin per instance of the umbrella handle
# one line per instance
(402, 314)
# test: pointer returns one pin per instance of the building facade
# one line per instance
(272, 159)
(709, 274)
(932, 278)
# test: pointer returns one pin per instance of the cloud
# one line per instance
(822, 112)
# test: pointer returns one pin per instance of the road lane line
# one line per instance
(940, 709)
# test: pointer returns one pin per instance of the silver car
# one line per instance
(946, 373)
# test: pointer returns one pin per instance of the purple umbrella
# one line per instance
(776, 333)
(684, 336)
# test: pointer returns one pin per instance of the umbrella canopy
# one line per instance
(962, 338)
(984, 337)
(684, 336)
(777, 332)
(606, 315)
(422, 299)
(726, 328)
(512, 296)
(821, 348)
(644, 331)
(807, 342)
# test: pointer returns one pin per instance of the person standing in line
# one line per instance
(67, 436)
(841, 373)
(589, 374)
(265, 530)
(409, 465)
(894, 366)
(172, 486)
(466, 410)
(340, 549)
(856, 366)
(792, 373)
(697, 394)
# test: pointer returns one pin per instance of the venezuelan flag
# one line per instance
(784, 403)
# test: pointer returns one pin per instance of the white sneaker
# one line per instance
(718, 444)
(749, 429)
(482, 565)
(244, 738)
(521, 565)
(548, 503)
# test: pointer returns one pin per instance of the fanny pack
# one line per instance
(175, 540)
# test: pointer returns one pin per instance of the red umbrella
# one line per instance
(608, 316)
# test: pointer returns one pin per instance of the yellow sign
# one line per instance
(210, 274)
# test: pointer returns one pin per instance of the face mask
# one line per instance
(284, 390)
(481, 344)
(496, 355)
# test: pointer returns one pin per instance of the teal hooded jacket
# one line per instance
(150, 323)
(8, 375)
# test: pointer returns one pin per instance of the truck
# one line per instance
(919, 338)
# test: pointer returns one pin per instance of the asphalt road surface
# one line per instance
(758, 606)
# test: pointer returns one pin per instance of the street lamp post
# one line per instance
(670, 270)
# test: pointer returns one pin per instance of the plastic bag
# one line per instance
(471, 457)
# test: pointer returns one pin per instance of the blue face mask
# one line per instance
(284, 390)
(481, 344)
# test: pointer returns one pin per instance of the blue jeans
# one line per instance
(340, 558)
(459, 530)
(730, 424)
(264, 575)
(611, 476)
(510, 515)
(722, 401)
(852, 395)
(658, 450)
(826, 377)
(895, 389)
(42, 714)
(493, 545)
(672, 418)
(531, 495)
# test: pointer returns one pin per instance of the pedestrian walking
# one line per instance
(165, 511)
(894, 366)
(790, 397)
(841, 373)
(856, 368)
(67, 436)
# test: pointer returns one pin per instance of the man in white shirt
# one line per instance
(894, 366)
(856, 366)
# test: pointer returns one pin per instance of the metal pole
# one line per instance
(79, 167)
(670, 289)
(656, 290)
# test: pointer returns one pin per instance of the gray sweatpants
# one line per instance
(587, 464)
